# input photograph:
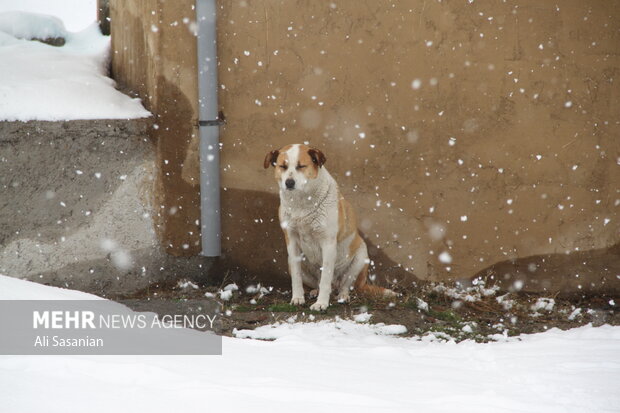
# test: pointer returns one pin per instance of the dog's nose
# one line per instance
(290, 183)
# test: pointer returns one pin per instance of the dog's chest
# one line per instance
(307, 227)
(310, 246)
(309, 231)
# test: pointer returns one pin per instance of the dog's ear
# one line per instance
(271, 159)
(317, 157)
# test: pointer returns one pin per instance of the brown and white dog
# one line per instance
(324, 247)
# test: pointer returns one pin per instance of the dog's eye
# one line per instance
(283, 167)
(301, 166)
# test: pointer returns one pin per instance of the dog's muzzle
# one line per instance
(290, 184)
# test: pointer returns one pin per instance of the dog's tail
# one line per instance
(362, 286)
(376, 291)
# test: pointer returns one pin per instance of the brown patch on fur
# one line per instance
(362, 287)
(272, 158)
(355, 244)
(361, 279)
(342, 220)
(375, 291)
(347, 224)
(285, 148)
(311, 169)
(282, 159)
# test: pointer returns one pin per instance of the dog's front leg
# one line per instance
(294, 267)
(328, 250)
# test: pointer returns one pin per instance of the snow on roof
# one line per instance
(75, 14)
(43, 82)
(31, 25)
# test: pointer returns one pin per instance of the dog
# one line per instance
(325, 249)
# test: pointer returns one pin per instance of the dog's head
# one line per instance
(295, 165)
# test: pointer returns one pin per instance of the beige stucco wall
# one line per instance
(531, 174)
(508, 148)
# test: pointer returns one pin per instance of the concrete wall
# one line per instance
(75, 209)
(486, 130)
(154, 57)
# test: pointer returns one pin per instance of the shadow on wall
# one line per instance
(592, 272)
(257, 255)
(257, 251)
(177, 201)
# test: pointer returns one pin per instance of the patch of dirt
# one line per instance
(447, 312)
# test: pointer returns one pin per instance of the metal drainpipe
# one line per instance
(209, 128)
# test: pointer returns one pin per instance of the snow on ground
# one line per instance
(330, 366)
(43, 82)
(15, 289)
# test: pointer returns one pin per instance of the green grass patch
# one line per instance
(411, 304)
(283, 308)
(455, 331)
(433, 297)
(447, 316)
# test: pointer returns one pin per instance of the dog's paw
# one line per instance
(314, 293)
(343, 297)
(298, 301)
(319, 306)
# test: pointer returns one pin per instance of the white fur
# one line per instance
(309, 215)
